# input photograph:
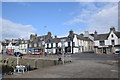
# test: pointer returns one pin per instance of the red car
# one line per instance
(9, 53)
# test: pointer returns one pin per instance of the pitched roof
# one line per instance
(5, 44)
(81, 37)
(56, 40)
(117, 34)
(101, 36)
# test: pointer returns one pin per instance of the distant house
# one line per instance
(37, 43)
(4, 49)
(12, 47)
(23, 46)
(107, 43)
(0, 47)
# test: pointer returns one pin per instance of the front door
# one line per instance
(104, 50)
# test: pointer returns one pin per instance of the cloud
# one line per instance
(74, 21)
(104, 19)
(97, 16)
(13, 30)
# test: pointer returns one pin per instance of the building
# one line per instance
(73, 43)
(37, 43)
(55, 45)
(107, 43)
(0, 47)
(12, 47)
(23, 46)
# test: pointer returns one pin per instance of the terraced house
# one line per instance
(107, 43)
(73, 43)
(37, 43)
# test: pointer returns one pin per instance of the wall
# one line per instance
(114, 38)
(0, 47)
(23, 48)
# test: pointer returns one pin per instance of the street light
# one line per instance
(43, 43)
(63, 51)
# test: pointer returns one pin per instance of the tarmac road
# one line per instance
(82, 66)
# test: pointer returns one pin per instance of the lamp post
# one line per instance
(63, 51)
(43, 43)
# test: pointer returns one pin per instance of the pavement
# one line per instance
(82, 66)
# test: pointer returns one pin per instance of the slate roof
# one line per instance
(5, 44)
(92, 35)
(101, 36)
(56, 40)
(105, 36)
(117, 34)
(83, 38)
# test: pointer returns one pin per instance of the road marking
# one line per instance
(114, 70)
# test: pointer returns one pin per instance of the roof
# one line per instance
(92, 35)
(101, 36)
(5, 44)
(117, 34)
(81, 37)
(105, 36)
(56, 40)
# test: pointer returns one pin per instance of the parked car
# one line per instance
(9, 53)
(18, 54)
(117, 51)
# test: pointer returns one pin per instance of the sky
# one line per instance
(20, 19)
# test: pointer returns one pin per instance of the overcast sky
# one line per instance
(20, 19)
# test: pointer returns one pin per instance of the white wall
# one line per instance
(96, 43)
(66, 44)
(54, 44)
(23, 48)
(75, 40)
(0, 47)
(59, 44)
(118, 41)
(75, 50)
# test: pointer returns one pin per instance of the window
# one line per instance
(68, 44)
(113, 42)
(30, 45)
(35, 44)
(51, 45)
(56, 44)
(112, 35)
(102, 43)
(39, 44)
(22, 41)
(47, 45)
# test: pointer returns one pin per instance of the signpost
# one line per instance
(63, 51)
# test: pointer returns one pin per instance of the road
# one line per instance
(82, 66)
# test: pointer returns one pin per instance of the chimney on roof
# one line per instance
(86, 34)
(35, 34)
(49, 33)
(71, 33)
(112, 29)
(55, 36)
(95, 33)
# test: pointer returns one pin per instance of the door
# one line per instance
(104, 50)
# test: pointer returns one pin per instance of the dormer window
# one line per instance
(112, 35)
